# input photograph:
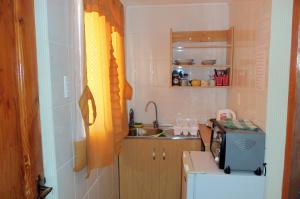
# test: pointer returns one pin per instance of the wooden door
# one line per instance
(170, 165)
(139, 169)
(20, 141)
(291, 178)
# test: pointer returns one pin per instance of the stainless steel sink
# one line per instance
(163, 132)
(150, 131)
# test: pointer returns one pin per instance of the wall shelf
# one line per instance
(201, 66)
(188, 45)
(204, 46)
(200, 87)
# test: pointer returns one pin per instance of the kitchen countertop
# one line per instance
(169, 136)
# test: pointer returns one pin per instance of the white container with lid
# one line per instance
(226, 114)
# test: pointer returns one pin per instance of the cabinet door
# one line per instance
(127, 162)
(170, 165)
(139, 169)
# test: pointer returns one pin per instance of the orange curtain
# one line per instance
(119, 81)
(105, 69)
(113, 10)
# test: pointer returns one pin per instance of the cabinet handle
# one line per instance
(153, 154)
(164, 154)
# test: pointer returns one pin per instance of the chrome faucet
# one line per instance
(155, 122)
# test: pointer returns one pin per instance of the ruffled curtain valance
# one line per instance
(113, 10)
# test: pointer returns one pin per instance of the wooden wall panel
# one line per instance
(10, 141)
(28, 93)
(20, 138)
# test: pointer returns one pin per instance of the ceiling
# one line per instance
(168, 2)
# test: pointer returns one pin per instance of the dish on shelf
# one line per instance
(209, 62)
(204, 83)
(196, 82)
(184, 61)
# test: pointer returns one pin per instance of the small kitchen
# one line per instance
(190, 66)
(149, 99)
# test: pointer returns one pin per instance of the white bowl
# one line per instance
(184, 61)
(209, 62)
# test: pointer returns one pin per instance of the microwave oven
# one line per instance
(238, 150)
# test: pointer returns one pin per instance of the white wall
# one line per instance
(278, 84)
(59, 56)
(148, 60)
(264, 103)
(45, 96)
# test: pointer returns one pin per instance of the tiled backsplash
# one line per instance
(248, 96)
(148, 60)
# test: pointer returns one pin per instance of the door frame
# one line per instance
(45, 96)
(290, 149)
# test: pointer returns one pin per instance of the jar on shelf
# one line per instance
(211, 81)
(175, 80)
(184, 81)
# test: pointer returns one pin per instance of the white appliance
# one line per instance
(201, 178)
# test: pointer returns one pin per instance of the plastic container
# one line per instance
(225, 80)
(194, 131)
(219, 81)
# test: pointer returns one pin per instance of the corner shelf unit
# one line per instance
(199, 46)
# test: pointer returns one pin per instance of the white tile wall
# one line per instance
(65, 61)
(251, 20)
(66, 179)
(59, 21)
(148, 60)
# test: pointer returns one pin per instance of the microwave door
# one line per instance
(216, 144)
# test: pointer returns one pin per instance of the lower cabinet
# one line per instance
(151, 168)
